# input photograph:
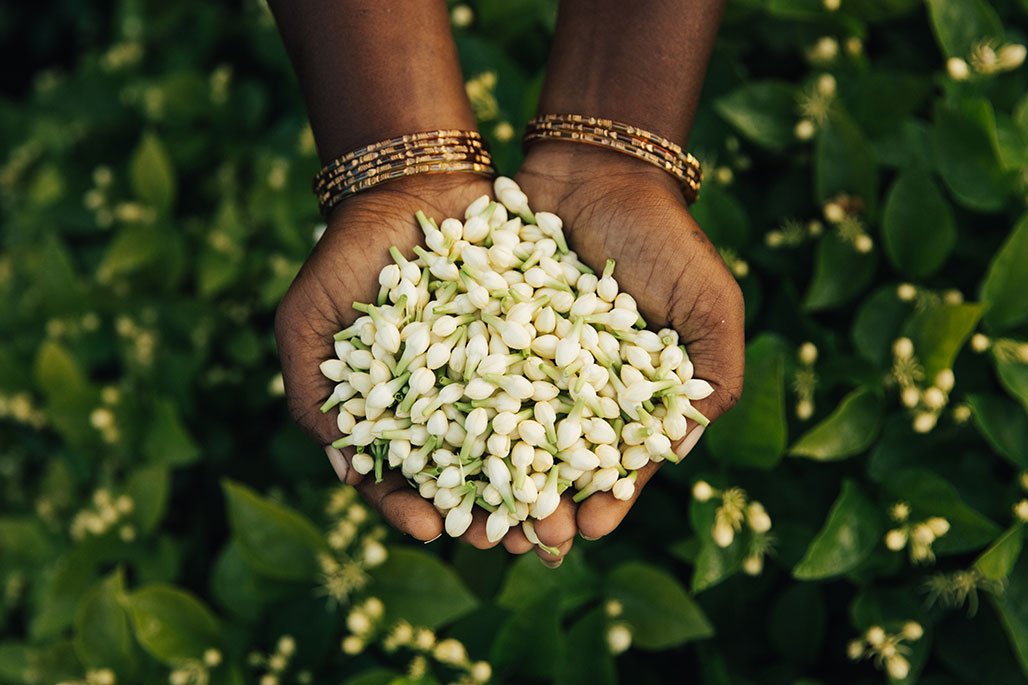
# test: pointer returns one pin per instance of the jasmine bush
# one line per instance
(164, 522)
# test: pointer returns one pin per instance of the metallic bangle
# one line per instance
(427, 152)
(625, 138)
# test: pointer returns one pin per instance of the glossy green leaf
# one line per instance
(939, 331)
(999, 559)
(587, 659)
(530, 643)
(167, 440)
(1012, 607)
(657, 609)
(849, 430)
(878, 324)
(722, 217)
(845, 163)
(1013, 376)
(1006, 282)
(796, 624)
(711, 563)
(753, 432)
(149, 489)
(763, 111)
(851, 530)
(918, 225)
(171, 624)
(103, 638)
(959, 24)
(275, 540)
(527, 580)
(929, 494)
(965, 145)
(416, 586)
(1004, 424)
(152, 175)
(840, 273)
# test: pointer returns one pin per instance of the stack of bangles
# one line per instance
(445, 151)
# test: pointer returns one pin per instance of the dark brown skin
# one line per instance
(371, 70)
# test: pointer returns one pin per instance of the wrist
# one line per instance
(573, 165)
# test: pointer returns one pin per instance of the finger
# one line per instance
(712, 329)
(402, 506)
(554, 560)
(558, 527)
(601, 513)
(476, 532)
(340, 462)
(516, 542)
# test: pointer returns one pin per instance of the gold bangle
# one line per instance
(427, 152)
(625, 138)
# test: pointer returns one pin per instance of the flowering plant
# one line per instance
(861, 511)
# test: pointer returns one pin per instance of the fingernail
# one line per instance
(434, 539)
(551, 564)
(338, 462)
(586, 537)
(689, 442)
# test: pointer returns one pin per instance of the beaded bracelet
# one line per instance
(427, 152)
(630, 140)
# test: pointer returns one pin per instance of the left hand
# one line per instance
(617, 207)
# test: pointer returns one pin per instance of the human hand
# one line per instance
(616, 207)
(342, 269)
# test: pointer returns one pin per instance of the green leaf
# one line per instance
(849, 430)
(103, 638)
(713, 563)
(528, 580)
(421, 589)
(530, 643)
(1004, 425)
(918, 225)
(151, 173)
(959, 24)
(377, 676)
(999, 559)
(24, 542)
(1013, 376)
(878, 324)
(929, 494)
(148, 487)
(723, 218)
(133, 249)
(56, 371)
(658, 610)
(1006, 282)
(850, 532)
(796, 625)
(965, 145)
(1012, 607)
(845, 162)
(939, 331)
(167, 441)
(587, 659)
(764, 112)
(840, 273)
(236, 587)
(171, 624)
(753, 432)
(275, 540)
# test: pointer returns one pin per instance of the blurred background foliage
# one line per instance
(162, 520)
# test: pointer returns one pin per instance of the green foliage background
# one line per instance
(155, 206)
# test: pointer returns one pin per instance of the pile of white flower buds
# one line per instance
(497, 369)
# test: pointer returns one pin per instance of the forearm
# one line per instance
(642, 63)
(373, 69)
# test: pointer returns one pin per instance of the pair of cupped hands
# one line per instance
(613, 206)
